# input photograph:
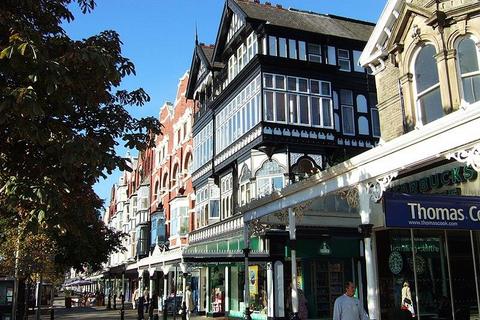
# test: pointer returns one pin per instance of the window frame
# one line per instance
(314, 55)
(418, 95)
(461, 76)
(343, 59)
(372, 120)
(343, 107)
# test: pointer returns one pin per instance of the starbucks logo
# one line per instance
(395, 262)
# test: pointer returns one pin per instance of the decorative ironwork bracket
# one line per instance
(377, 188)
(350, 195)
(471, 157)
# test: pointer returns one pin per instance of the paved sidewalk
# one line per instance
(84, 313)
(90, 313)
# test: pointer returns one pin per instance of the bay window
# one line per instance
(179, 221)
(269, 177)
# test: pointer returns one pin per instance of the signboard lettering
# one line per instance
(432, 211)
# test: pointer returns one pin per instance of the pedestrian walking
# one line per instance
(189, 302)
(407, 303)
(347, 307)
(140, 307)
(135, 296)
(146, 298)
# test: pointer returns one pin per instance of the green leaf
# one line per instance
(6, 53)
(41, 215)
(22, 48)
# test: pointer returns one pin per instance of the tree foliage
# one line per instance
(61, 114)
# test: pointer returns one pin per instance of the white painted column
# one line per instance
(227, 289)
(151, 273)
(165, 270)
(207, 291)
(293, 255)
(200, 290)
(279, 290)
(270, 291)
(183, 268)
(373, 299)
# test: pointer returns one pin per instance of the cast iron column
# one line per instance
(293, 254)
(370, 257)
(246, 252)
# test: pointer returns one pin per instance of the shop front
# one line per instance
(323, 266)
(441, 273)
(221, 268)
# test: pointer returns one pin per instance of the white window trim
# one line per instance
(344, 59)
(343, 106)
(466, 75)
(418, 95)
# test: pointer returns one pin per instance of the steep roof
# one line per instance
(201, 53)
(307, 20)
(208, 52)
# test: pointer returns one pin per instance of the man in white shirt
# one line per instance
(347, 307)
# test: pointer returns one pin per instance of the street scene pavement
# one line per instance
(62, 313)
(98, 313)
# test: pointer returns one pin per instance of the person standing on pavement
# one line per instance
(136, 295)
(189, 302)
(140, 306)
(146, 298)
(347, 307)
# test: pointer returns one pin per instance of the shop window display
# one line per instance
(441, 274)
(237, 281)
(257, 275)
(217, 285)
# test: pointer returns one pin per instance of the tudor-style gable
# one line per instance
(288, 100)
(200, 67)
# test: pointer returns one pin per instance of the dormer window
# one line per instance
(469, 71)
(427, 86)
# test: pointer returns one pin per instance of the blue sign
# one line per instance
(431, 211)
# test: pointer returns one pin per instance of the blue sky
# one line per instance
(158, 36)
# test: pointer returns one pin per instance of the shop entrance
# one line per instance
(440, 275)
(327, 285)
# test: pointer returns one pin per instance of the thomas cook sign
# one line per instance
(431, 211)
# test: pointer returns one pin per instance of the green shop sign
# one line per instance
(431, 245)
(454, 176)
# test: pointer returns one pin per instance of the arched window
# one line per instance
(269, 178)
(468, 56)
(174, 175)
(361, 103)
(155, 191)
(363, 125)
(244, 188)
(427, 97)
(165, 186)
(187, 163)
(304, 168)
